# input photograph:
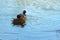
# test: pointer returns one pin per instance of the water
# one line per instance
(41, 24)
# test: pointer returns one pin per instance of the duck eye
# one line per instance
(18, 16)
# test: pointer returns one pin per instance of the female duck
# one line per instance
(20, 20)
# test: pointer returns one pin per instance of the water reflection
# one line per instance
(18, 26)
(58, 34)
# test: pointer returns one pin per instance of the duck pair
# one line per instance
(20, 20)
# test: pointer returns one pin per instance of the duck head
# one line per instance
(24, 12)
(18, 16)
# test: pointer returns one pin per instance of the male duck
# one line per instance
(20, 20)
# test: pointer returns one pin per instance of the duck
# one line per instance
(21, 19)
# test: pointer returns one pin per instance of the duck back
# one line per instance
(20, 21)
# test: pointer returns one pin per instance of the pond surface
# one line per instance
(40, 24)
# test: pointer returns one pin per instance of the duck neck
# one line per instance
(24, 14)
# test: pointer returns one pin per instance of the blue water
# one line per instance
(40, 24)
